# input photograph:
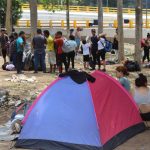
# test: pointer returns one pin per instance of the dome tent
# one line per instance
(96, 115)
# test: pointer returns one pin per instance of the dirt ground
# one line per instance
(25, 90)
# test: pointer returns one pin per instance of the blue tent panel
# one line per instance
(65, 113)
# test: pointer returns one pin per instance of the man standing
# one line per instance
(61, 56)
(115, 45)
(94, 46)
(19, 54)
(50, 50)
(3, 41)
(38, 43)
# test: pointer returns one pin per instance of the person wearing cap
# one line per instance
(3, 41)
(94, 46)
(20, 49)
(101, 51)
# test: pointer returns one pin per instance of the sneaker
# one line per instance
(20, 72)
(35, 72)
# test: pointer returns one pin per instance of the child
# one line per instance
(86, 53)
(122, 73)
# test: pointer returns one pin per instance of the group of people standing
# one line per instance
(13, 47)
(59, 49)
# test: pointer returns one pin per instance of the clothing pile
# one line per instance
(22, 79)
(8, 67)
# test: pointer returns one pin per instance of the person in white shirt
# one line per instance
(101, 51)
(71, 54)
(86, 53)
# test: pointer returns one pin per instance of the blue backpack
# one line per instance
(108, 46)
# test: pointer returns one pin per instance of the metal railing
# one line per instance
(84, 9)
(76, 23)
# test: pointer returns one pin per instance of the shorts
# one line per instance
(77, 41)
(51, 57)
(61, 58)
(86, 58)
(101, 54)
(4, 53)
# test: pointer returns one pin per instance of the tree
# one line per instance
(138, 31)
(100, 16)
(67, 15)
(16, 11)
(33, 17)
(9, 17)
(120, 30)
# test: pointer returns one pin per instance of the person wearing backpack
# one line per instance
(71, 54)
(101, 51)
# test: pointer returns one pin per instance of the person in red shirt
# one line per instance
(61, 56)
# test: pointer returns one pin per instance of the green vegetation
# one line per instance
(110, 3)
(16, 11)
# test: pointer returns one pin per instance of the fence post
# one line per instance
(62, 24)
(39, 23)
(130, 23)
(74, 23)
(115, 24)
(87, 24)
(17, 24)
(28, 23)
(106, 9)
(129, 11)
(50, 24)
(147, 24)
(87, 8)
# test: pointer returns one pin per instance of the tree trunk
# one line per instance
(120, 30)
(9, 17)
(33, 17)
(67, 16)
(100, 16)
(138, 29)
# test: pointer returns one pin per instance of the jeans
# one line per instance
(94, 57)
(39, 57)
(71, 56)
(61, 59)
(146, 53)
(13, 58)
(19, 63)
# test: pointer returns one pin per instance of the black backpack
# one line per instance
(4, 65)
(132, 66)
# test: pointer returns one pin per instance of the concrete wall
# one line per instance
(129, 34)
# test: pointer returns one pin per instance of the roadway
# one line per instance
(61, 15)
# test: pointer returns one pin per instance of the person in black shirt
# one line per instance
(3, 41)
(94, 46)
